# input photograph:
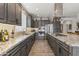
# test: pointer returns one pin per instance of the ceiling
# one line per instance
(47, 9)
(70, 9)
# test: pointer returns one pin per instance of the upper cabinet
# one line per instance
(2, 12)
(18, 14)
(11, 13)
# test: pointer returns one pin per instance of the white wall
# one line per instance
(23, 24)
(51, 28)
(74, 26)
(67, 21)
(64, 28)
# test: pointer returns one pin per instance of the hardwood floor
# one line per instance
(41, 48)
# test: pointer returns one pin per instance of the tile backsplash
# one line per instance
(9, 28)
(19, 30)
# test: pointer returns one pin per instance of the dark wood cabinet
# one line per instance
(66, 53)
(23, 48)
(61, 51)
(30, 42)
(59, 48)
(2, 10)
(14, 13)
(52, 43)
(11, 13)
(14, 51)
(18, 14)
(2, 13)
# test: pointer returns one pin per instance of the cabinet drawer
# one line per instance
(62, 44)
(13, 51)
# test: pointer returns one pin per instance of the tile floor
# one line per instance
(41, 48)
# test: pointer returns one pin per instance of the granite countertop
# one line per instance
(70, 39)
(6, 46)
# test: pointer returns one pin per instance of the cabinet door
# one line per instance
(2, 10)
(11, 13)
(14, 52)
(30, 42)
(23, 51)
(18, 53)
(59, 50)
(49, 40)
(18, 14)
(65, 53)
(54, 47)
(2, 13)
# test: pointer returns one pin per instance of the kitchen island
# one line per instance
(66, 45)
(18, 46)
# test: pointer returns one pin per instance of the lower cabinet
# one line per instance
(57, 47)
(29, 43)
(62, 51)
(59, 50)
(66, 53)
(23, 48)
(15, 53)
(52, 43)
(23, 51)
